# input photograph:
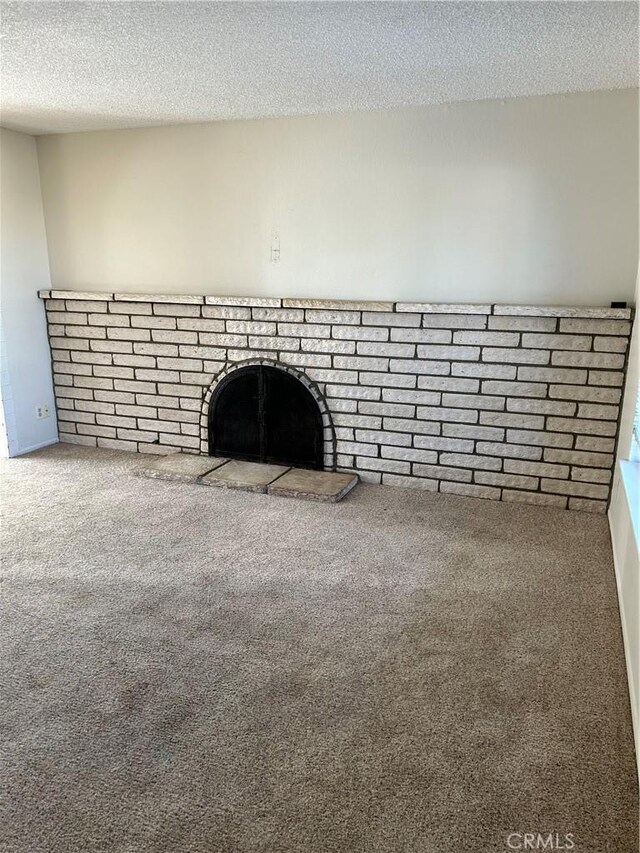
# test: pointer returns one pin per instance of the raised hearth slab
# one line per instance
(246, 476)
(326, 486)
(182, 467)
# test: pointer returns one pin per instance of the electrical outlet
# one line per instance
(42, 412)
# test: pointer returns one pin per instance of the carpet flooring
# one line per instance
(191, 670)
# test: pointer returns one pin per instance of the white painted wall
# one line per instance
(24, 268)
(528, 200)
(624, 521)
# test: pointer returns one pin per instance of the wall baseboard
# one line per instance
(24, 450)
(631, 675)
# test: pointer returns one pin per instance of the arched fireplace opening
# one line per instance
(263, 414)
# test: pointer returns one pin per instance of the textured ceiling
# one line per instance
(86, 66)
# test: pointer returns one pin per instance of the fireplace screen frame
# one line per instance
(326, 458)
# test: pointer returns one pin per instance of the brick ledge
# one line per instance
(581, 312)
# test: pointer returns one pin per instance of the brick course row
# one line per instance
(473, 400)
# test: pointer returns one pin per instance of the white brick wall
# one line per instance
(502, 402)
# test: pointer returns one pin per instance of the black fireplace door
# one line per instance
(263, 414)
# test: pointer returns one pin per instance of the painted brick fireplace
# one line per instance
(513, 403)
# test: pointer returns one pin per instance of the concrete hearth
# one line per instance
(327, 486)
(281, 480)
(247, 476)
(183, 467)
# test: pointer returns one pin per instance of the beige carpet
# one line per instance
(192, 669)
